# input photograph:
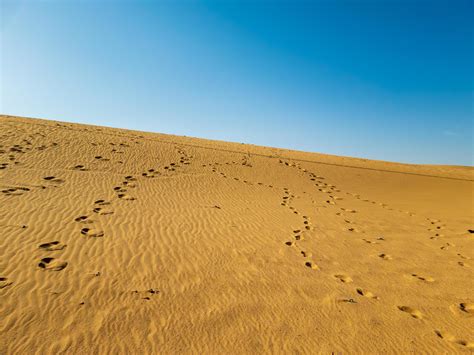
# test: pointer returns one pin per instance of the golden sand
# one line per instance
(118, 241)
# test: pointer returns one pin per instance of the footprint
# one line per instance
(445, 335)
(311, 265)
(366, 293)
(52, 264)
(306, 254)
(129, 184)
(93, 233)
(53, 179)
(146, 295)
(126, 197)
(343, 278)
(4, 282)
(14, 191)
(449, 337)
(467, 344)
(101, 211)
(467, 307)
(446, 246)
(79, 168)
(423, 278)
(101, 203)
(151, 173)
(369, 241)
(385, 256)
(52, 246)
(411, 311)
(83, 219)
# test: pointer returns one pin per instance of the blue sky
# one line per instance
(390, 80)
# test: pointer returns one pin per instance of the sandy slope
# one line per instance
(122, 241)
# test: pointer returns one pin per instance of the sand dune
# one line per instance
(117, 241)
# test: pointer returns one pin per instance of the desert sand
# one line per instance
(119, 241)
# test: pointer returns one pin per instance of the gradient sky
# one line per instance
(389, 80)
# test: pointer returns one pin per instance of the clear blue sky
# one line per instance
(390, 80)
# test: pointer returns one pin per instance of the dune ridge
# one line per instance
(132, 242)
